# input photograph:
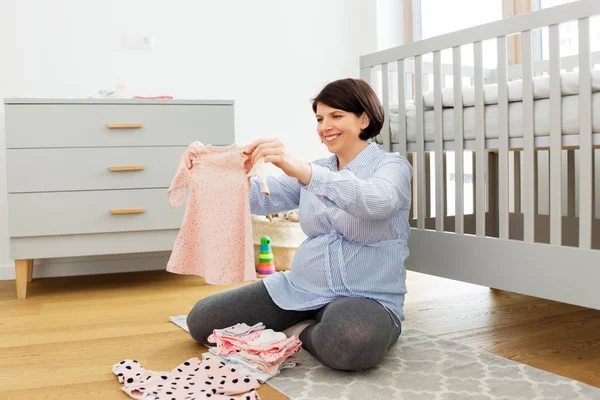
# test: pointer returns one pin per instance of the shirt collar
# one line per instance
(362, 159)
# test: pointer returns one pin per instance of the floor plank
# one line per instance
(70, 331)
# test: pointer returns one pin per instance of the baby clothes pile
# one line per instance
(253, 350)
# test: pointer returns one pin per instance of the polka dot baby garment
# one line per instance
(215, 239)
(191, 380)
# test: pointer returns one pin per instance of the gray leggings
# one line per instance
(351, 333)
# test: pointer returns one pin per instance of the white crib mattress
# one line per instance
(541, 90)
(570, 120)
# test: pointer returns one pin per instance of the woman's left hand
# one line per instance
(274, 151)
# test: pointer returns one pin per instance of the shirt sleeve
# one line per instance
(284, 195)
(384, 194)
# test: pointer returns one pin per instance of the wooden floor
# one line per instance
(62, 341)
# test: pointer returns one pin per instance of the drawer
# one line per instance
(61, 213)
(60, 169)
(113, 125)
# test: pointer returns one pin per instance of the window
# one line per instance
(437, 17)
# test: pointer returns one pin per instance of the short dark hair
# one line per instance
(355, 96)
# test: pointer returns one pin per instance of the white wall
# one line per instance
(270, 56)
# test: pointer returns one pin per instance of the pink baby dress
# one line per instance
(215, 239)
(191, 380)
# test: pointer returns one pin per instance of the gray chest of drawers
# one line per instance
(90, 177)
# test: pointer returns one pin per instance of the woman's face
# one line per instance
(338, 129)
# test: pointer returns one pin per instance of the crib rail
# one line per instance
(491, 172)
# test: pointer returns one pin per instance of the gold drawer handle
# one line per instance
(125, 126)
(118, 211)
(124, 168)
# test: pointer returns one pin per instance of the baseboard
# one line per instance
(51, 268)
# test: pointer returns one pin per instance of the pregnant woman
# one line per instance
(344, 294)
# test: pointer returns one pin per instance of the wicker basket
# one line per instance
(285, 237)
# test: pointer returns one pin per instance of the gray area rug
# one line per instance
(422, 367)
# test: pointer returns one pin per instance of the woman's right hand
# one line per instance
(273, 151)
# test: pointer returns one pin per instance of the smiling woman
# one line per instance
(344, 295)
(348, 114)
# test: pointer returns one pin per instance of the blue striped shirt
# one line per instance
(356, 222)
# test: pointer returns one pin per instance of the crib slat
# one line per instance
(401, 109)
(517, 181)
(473, 180)
(439, 144)
(594, 186)
(427, 185)
(445, 183)
(421, 193)
(458, 143)
(528, 139)
(387, 140)
(479, 166)
(503, 138)
(411, 159)
(555, 138)
(536, 182)
(571, 182)
(585, 136)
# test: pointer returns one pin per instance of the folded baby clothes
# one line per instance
(273, 352)
(269, 368)
(257, 369)
(193, 379)
(257, 352)
(215, 239)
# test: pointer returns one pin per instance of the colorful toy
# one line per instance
(266, 266)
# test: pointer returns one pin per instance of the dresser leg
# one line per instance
(30, 271)
(22, 268)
